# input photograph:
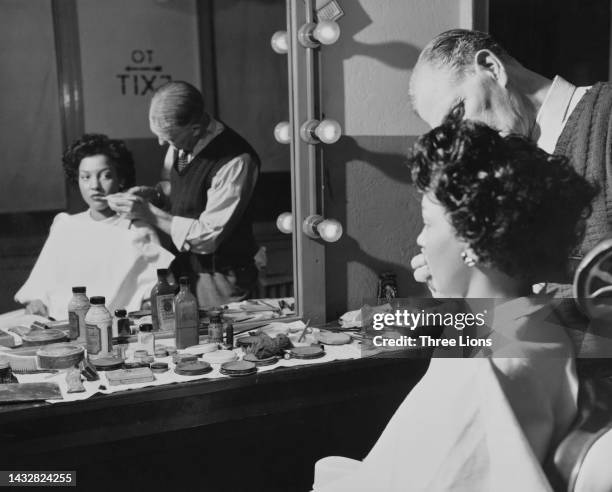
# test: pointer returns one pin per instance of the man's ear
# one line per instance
(196, 129)
(486, 61)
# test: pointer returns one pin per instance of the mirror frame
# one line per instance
(306, 161)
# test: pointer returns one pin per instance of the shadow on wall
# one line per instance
(366, 179)
(368, 190)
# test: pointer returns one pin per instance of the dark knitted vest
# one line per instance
(586, 140)
(189, 196)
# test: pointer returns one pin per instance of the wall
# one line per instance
(365, 78)
(30, 132)
(128, 49)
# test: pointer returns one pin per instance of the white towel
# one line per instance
(119, 264)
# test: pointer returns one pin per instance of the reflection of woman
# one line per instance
(100, 166)
(497, 212)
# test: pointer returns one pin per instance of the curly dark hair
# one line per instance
(520, 209)
(97, 144)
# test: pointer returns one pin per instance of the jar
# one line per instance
(146, 338)
(77, 309)
(215, 326)
(123, 323)
(99, 329)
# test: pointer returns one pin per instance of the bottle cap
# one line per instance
(120, 312)
(97, 300)
(79, 290)
(146, 327)
(184, 280)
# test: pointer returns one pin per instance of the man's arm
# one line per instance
(229, 195)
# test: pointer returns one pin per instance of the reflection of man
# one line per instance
(470, 69)
(212, 172)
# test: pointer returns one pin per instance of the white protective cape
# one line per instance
(478, 424)
(119, 264)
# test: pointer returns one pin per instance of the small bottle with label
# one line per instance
(99, 329)
(187, 318)
(77, 309)
(215, 326)
(162, 303)
(123, 323)
(146, 338)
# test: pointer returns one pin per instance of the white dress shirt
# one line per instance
(229, 195)
(560, 101)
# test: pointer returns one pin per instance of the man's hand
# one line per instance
(131, 205)
(37, 307)
(147, 192)
(421, 272)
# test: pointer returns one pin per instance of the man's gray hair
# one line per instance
(456, 49)
(176, 105)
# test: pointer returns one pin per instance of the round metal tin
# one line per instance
(159, 367)
(220, 357)
(268, 361)
(107, 363)
(330, 338)
(196, 368)
(312, 352)
(238, 368)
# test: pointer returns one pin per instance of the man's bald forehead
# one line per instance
(176, 105)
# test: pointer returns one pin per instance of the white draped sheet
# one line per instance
(119, 264)
(478, 424)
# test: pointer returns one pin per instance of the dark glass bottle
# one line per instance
(162, 303)
(187, 318)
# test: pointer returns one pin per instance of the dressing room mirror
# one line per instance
(91, 66)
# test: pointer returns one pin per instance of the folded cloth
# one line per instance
(110, 261)
(353, 319)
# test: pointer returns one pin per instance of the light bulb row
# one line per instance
(327, 131)
(314, 226)
(311, 35)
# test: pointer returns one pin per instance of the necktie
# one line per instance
(182, 161)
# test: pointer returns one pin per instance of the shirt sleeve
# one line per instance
(227, 198)
(146, 230)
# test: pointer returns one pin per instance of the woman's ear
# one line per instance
(488, 63)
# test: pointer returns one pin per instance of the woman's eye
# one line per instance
(83, 177)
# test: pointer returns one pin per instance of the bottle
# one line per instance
(77, 309)
(215, 326)
(123, 324)
(229, 334)
(387, 287)
(6, 374)
(99, 329)
(187, 318)
(146, 338)
(162, 303)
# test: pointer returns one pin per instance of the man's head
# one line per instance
(470, 67)
(176, 115)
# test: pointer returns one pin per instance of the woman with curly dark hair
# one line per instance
(99, 166)
(498, 215)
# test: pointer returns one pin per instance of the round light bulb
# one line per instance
(281, 132)
(326, 32)
(279, 42)
(330, 230)
(284, 222)
(328, 131)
